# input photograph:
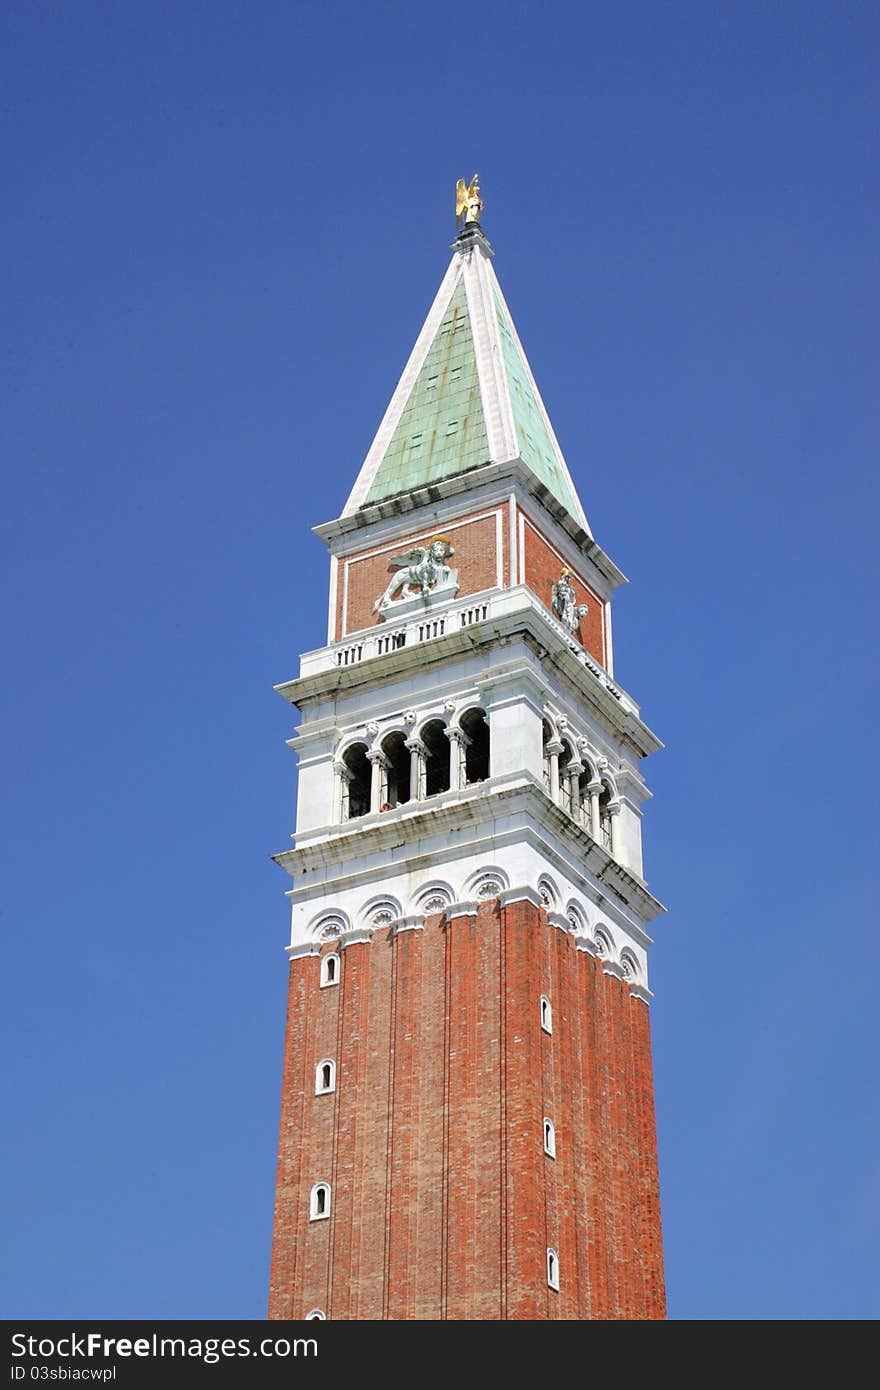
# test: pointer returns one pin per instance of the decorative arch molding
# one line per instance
(549, 892)
(380, 912)
(604, 941)
(608, 780)
(630, 966)
(396, 725)
(486, 883)
(350, 740)
(437, 716)
(590, 758)
(551, 719)
(432, 897)
(577, 918)
(329, 926)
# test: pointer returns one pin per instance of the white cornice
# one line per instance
(467, 484)
(521, 615)
(500, 811)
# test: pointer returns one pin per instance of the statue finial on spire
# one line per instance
(468, 202)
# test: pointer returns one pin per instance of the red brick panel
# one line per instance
(366, 575)
(543, 566)
(369, 1267)
(290, 1150)
(443, 1200)
(486, 1294)
(559, 1100)
(525, 1234)
(463, 1127)
(428, 1075)
(351, 1068)
(596, 1138)
(651, 1236)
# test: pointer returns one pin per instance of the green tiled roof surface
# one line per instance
(442, 429)
(535, 444)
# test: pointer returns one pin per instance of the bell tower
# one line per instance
(467, 1114)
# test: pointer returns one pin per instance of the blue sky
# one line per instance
(223, 225)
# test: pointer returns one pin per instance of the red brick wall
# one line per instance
(543, 566)
(443, 1201)
(476, 559)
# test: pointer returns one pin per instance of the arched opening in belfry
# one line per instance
(396, 774)
(356, 787)
(476, 751)
(437, 753)
(605, 815)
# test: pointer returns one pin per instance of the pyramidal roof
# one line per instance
(467, 396)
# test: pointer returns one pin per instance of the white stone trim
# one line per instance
(609, 642)
(526, 894)
(354, 937)
(522, 547)
(331, 611)
(467, 908)
(415, 922)
(612, 967)
(586, 943)
(306, 948)
(559, 919)
(511, 539)
(494, 389)
(641, 992)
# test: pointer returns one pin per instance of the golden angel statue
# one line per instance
(468, 203)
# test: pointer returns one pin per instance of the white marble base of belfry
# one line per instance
(502, 838)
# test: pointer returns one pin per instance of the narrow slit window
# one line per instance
(319, 1203)
(329, 970)
(316, 1313)
(325, 1077)
(546, 1014)
(549, 1138)
(553, 1269)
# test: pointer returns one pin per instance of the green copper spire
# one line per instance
(441, 429)
(466, 398)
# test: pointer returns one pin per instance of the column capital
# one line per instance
(377, 757)
(415, 745)
(344, 771)
(457, 736)
(554, 747)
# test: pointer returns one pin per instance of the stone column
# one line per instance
(417, 755)
(574, 789)
(341, 783)
(614, 813)
(379, 779)
(594, 789)
(553, 749)
(458, 742)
